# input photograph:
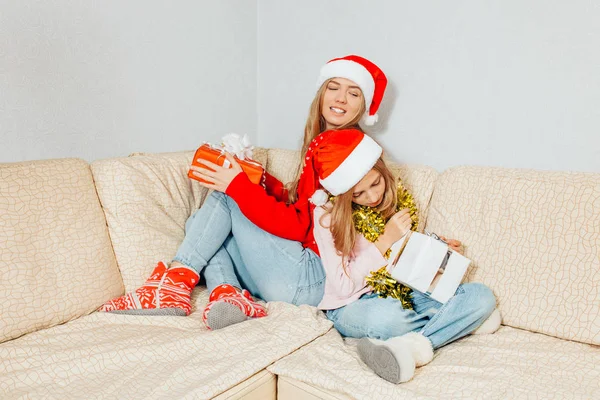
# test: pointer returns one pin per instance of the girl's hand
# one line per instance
(220, 177)
(397, 226)
(454, 245)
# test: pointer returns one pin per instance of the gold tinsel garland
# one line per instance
(370, 223)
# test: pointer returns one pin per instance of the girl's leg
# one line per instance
(209, 229)
(228, 303)
(429, 326)
(220, 270)
(272, 268)
(472, 304)
(168, 290)
(205, 232)
(384, 318)
(375, 317)
(240, 269)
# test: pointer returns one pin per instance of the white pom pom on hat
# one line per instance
(368, 76)
(370, 120)
(319, 198)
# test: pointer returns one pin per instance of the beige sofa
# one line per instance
(73, 235)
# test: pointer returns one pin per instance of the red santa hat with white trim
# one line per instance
(368, 76)
(337, 160)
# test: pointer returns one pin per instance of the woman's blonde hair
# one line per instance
(342, 224)
(315, 125)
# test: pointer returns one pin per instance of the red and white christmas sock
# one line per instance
(228, 305)
(166, 292)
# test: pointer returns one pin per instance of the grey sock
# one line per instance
(178, 312)
(223, 314)
(380, 359)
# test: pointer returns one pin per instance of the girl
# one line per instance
(395, 339)
(261, 239)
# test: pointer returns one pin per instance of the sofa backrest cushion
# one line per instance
(534, 238)
(147, 198)
(419, 180)
(56, 257)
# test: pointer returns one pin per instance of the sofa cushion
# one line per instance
(133, 357)
(283, 164)
(147, 198)
(511, 363)
(534, 238)
(55, 253)
(419, 180)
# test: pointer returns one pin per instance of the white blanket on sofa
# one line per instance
(116, 356)
(508, 364)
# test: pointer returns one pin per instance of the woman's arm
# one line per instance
(275, 188)
(288, 221)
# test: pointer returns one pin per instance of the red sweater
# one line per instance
(269, 210)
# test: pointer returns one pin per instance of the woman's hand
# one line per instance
(454, 244)
(397, 226)
(220, 177)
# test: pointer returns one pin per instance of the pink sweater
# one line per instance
(341, 288)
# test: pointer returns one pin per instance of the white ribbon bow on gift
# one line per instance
(235, 145)
(238, 146)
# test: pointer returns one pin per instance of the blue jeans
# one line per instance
(226, 247)
(383, 318)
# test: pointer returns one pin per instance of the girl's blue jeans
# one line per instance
(224, 246)
(383, 318)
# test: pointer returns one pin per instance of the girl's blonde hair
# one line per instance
(342, 223)
(315, 125)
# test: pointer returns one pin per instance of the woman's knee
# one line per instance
(215, 199)
(222, 198)
(226, 201)
(217, 196)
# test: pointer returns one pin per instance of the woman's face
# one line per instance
(342, 101)
(369, 191)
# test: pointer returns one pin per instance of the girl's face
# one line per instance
(370, 190)
(342, 101)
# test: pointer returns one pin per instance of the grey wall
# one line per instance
(502, 83)
(96, 79)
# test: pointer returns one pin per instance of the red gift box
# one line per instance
(252, 168)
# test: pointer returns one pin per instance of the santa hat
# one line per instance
(365, 74)
(337, 160)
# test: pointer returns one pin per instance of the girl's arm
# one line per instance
(454, 245)
(366, 258)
